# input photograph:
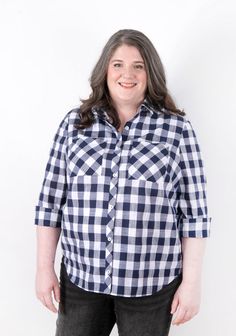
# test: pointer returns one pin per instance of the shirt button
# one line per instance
(108, 272)
(115, 174)
(127, 128)
(109, 238)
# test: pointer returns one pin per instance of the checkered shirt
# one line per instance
(124, 200)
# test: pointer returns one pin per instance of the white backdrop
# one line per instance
(48, 49)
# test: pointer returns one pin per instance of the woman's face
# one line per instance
(126, 76)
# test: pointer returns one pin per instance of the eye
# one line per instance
(139, 66)
(117, 65)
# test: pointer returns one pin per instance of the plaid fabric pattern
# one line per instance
(124, 200)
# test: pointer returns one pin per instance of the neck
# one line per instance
(126, 111)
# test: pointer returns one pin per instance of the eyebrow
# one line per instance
(119, 60)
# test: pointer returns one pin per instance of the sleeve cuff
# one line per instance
(47, 217)
(195, 227)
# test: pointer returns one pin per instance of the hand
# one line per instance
(186, 302)
(46, 283)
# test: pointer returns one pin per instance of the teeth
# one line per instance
(128, 85)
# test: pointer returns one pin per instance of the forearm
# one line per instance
(193, 251)
(47, 240)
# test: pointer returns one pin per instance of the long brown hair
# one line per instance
(157, 94)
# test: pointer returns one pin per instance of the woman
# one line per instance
(125, 188)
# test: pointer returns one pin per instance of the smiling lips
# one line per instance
(127, 85)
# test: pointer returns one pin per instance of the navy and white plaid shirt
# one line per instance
(124, 200)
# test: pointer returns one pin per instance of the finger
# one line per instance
(179, 317)
(189, 315)
(42, 300)
(174, 305)
(49, 303)
(56, 293)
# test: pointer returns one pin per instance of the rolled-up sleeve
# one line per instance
(192, 201)
(52, 197)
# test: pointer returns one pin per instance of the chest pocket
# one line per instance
(147, 160)
(86, 156)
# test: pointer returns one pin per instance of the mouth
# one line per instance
(127, 85)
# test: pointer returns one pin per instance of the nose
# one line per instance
(128, 72)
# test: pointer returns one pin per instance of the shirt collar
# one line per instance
(143, 108)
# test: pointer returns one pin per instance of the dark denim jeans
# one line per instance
(83, 313)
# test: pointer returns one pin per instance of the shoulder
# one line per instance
(181, 125)
(174, 129)
(70, 118)
(73, 115)
(176, 120)
(173, 125)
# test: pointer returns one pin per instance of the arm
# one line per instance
(193, 224)
(47, 239)
(48, 217)
(188, 296)
(193, 251)
(46, 279)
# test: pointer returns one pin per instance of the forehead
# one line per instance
(128, 52)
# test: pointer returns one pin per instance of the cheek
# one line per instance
(110, 79)
(143, 79)
(112, 74)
